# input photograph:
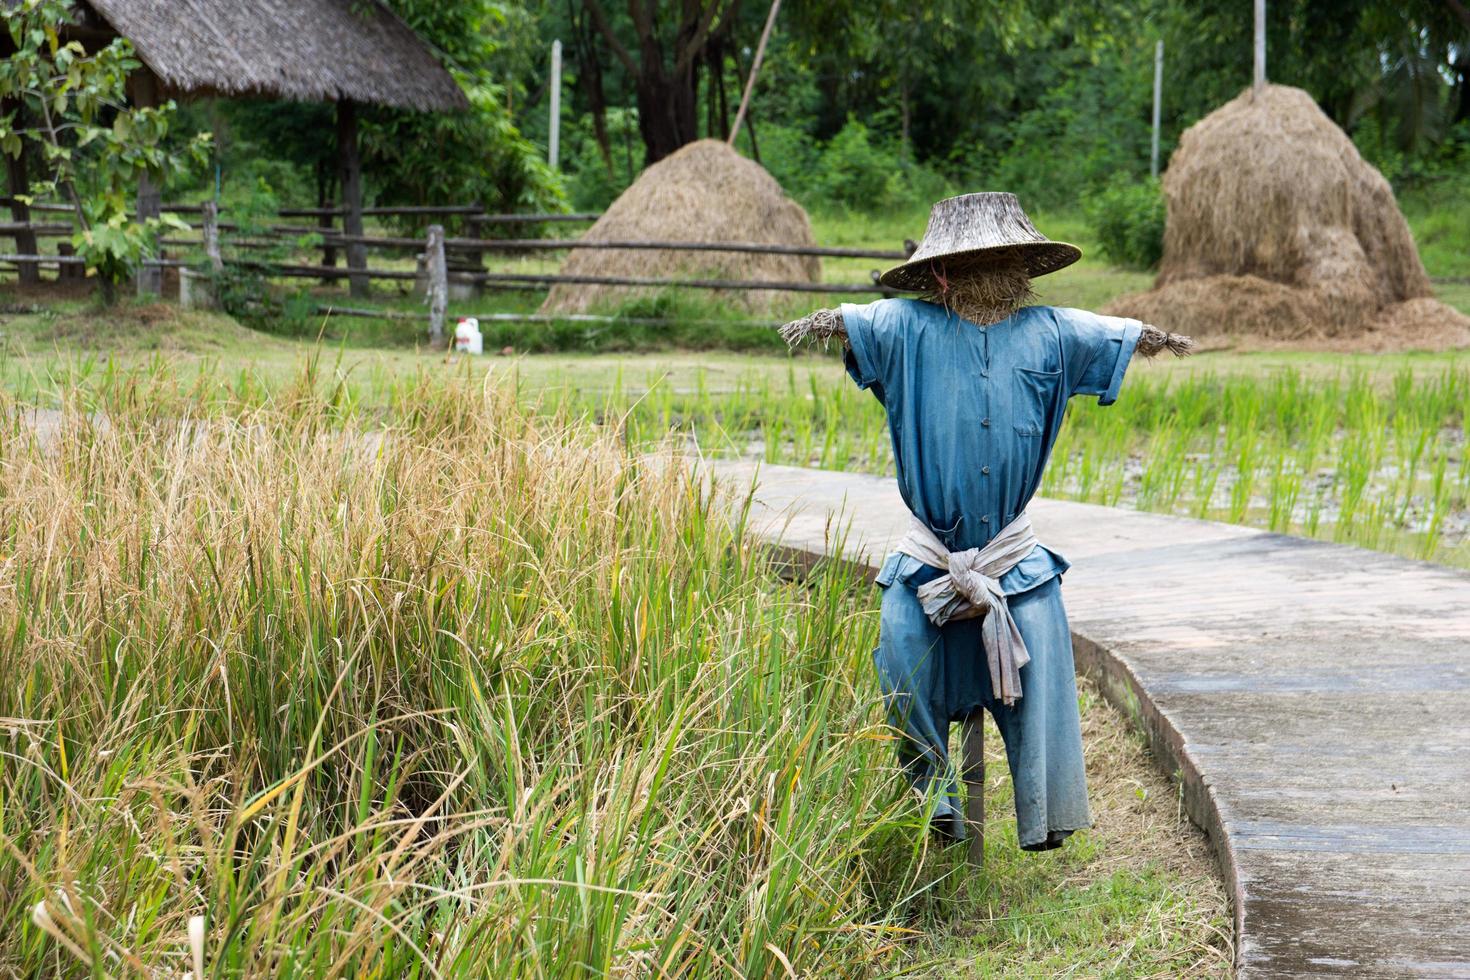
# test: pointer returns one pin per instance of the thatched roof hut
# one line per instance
(342, 51)
(307, 50)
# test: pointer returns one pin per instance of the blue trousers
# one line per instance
(933, 676)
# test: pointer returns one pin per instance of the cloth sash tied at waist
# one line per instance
(971, 589)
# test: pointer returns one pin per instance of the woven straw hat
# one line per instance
(970, 229)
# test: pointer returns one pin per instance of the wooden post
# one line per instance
(69, 270)
(1258, 79)
(350, 164)
(972, 774)
(438, 289)
(1153, 165)
(20, 185)
(211, 236)
(755, 67)
(150, 195)
(328, 224)
(553, 148)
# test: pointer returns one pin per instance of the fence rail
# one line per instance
(442, 261)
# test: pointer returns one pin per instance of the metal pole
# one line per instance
(553, 151)
(1153, 166)
(1258, 81)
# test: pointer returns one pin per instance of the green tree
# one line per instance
(72, 104)
(480, 155)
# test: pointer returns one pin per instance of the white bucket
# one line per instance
(467, 336)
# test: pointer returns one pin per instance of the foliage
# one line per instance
(73, 105)
(242, 288)
(1127, 217)
(474, 156)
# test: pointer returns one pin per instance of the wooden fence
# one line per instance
(442, 260)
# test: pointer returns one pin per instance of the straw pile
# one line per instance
(706, 192)
(1279, 232)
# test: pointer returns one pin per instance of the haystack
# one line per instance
(705, 192)
(1280, 232)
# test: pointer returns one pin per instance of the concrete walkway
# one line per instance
(1315, 700)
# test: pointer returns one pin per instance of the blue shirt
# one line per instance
(974, 411)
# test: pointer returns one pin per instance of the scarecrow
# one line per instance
(975, 383)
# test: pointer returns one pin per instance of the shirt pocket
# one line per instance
(1034, 393)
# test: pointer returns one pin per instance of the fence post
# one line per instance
(438, 291)
(327, 221)
(211, 236)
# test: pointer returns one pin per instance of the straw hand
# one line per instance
(822, 325)
(1155, 340)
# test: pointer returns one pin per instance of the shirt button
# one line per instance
(985, 422)
(985, 519)
(985, 470)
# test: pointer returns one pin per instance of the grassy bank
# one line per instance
(478, 694)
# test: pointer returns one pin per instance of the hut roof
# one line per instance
(311, 50)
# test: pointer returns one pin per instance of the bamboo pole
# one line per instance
(755, 67)
(1258, 78)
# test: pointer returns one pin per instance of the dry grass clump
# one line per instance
(705, 192)
(1279, 230)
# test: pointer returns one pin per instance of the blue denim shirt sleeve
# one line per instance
(874, 334)
(1096, 350)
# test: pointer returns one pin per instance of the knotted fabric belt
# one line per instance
(971, 589)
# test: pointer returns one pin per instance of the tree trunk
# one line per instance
(667, 93)
(668, 108)
(350, 166)
(719, 57)
(589, 76)
(1462, 107)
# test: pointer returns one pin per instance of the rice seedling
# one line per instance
(1307, 455)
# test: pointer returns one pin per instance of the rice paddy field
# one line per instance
(341, 658)
(427, 677)
(1359, 453)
